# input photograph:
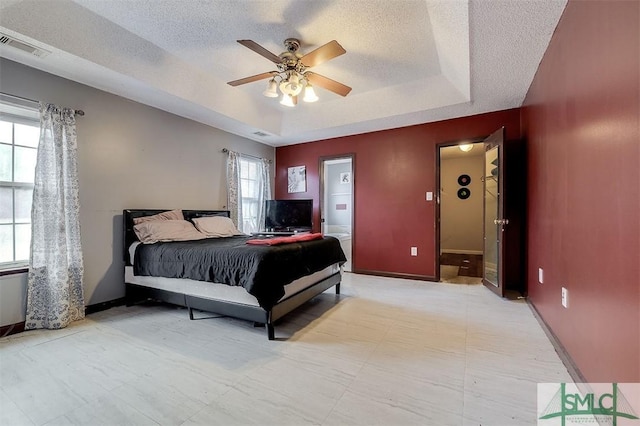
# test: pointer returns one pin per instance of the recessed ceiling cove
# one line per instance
(407, 62)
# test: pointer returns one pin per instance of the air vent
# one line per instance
(261, 134)
(21, 45)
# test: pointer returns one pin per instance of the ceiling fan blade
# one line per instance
(323, 54)
(260, 50)
(253, 78)
(327, 83)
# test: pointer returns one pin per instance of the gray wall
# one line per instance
(130, 156)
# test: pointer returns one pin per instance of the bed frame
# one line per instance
(136, 293)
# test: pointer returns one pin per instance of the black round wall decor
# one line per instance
(464, 180)
(464, 193)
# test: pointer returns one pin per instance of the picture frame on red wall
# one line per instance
(297, 179)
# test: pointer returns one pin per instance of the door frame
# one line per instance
(321, 206)
(437, 198)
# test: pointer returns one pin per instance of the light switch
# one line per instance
(565, 297)
(429, 196)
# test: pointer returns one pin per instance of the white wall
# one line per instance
(130, 156)
(338, 193)
(13, 298)
(461, 220)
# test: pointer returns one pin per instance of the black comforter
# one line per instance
(262, 270)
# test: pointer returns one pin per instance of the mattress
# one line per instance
(339, 235)
(221, 292)
(263, 270)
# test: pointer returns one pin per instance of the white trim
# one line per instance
(215, 291)
(17, 114)
(17, 265)
(20, 111)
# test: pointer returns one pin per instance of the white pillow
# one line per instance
(167, 230)
(216, 226)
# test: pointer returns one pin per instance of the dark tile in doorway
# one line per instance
(470, 265)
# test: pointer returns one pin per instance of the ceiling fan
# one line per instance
(293, 75)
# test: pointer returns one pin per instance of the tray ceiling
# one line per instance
(408, 61)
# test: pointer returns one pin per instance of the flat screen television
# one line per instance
(288, 215)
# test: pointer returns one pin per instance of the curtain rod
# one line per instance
(226, 151)
(77, 111)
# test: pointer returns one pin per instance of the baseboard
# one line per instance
(97, 307)
(7, 330)
(566, 359)
(454, 251)
(394, 275)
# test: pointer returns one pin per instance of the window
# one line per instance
(251, 190)
(19, 137)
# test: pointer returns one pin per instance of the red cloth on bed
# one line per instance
(285, 240)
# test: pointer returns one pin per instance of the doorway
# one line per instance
(501, 191)
(460, 212)
(336, 203)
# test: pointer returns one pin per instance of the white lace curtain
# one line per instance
(234, 189)
(265, 188)
(235, 194)
(55, 292)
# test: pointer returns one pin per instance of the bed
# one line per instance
(258, 283)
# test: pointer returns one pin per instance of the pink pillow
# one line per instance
(216, 226)
(168, 215)
(167, 230)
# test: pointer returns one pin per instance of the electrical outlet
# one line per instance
(429, 196)
(565, 297)
(540, 276)
(414, 251)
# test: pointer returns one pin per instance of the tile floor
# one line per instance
(385, 352)
(449, 274)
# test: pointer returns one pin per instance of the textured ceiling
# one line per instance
(408, 61)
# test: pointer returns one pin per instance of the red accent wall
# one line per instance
(393, 170)
(581, 123)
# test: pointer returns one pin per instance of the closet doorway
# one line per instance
(460, 212)
(337, 201)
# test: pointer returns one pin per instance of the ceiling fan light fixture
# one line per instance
(272, 89)
(465, 147)
(291, 85)
(290, 79)
(287, 100)
(309, 94)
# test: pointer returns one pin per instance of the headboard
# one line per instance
(130, 236)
